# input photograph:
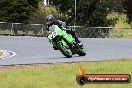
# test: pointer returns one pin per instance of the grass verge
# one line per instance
(122, 20)
(121, 33)
(61, 75)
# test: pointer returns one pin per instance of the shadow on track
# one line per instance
(64, 57)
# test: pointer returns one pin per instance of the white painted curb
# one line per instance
(11, 54)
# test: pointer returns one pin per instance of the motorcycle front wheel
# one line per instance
(65, 50)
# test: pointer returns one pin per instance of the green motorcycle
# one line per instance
(65, 43)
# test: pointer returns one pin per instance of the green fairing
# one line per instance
(60, 32)
(60, 39)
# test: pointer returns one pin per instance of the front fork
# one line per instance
(59, 42)
(67, 40)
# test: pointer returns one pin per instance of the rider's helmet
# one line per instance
(49, 20)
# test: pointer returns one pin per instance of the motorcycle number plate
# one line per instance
(53, 34)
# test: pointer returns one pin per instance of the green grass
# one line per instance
(121, 29)
(121, 33)
(122, 22)
(5, 32)
(61, 76)
(22, 32)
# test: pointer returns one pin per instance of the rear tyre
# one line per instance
(65, 51)
(81, 53)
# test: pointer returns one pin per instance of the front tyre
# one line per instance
(65, 51)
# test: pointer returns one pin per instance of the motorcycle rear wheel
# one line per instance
(81, 52)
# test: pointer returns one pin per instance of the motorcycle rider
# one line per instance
(50, 21)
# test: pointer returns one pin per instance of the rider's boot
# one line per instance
(55, 48)
(78, 41)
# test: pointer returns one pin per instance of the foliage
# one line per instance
(61, 75)
(43, 11)
(89, 12)
(17, 10)
(128, 6)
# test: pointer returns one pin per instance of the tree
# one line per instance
(42, 12)
(89, 12)
(128, 7)
(17, 10)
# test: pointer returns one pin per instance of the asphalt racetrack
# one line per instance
(30, 50)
